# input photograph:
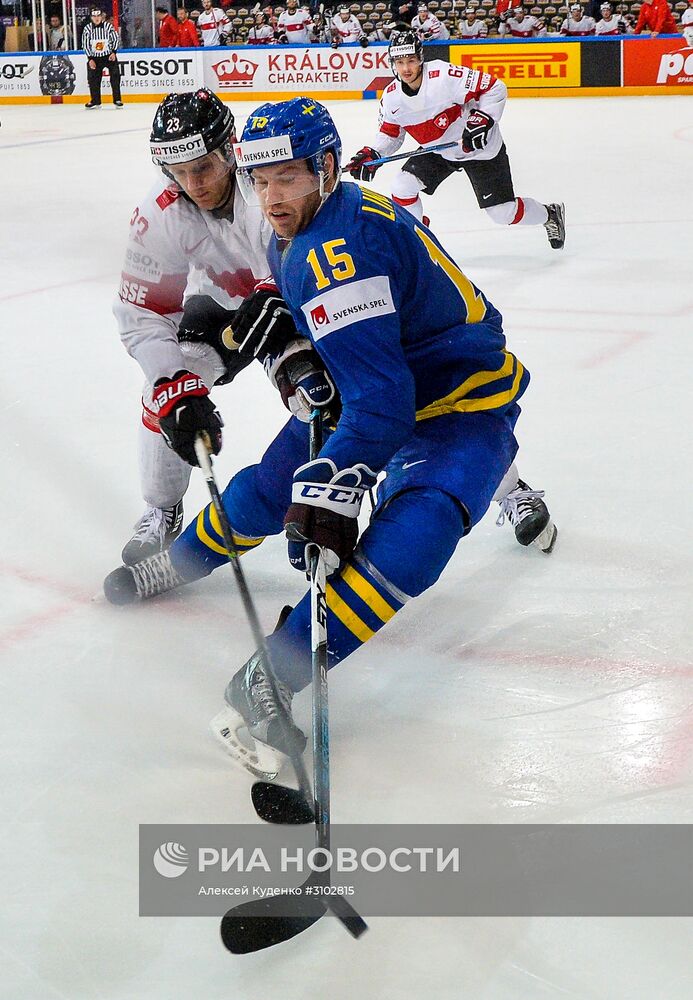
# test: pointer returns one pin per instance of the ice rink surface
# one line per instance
(521, 689)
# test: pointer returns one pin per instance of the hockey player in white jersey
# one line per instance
(347, 28)
(295, 24)
(434, 103)
(610, 24)
(577, 24)
(195, 251)
(428, 27)
(687, 24)
(518, 24)
(472, 26)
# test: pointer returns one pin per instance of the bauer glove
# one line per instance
(185, 410)
(357, 165)
(476, 130)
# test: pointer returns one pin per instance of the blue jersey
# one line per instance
(405, 334)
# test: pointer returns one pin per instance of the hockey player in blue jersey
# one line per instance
(429, 395)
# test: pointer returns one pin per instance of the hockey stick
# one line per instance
(263, 923)
(205, 462)
(405, 156)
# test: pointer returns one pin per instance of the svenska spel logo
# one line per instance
(319, 316)
(171, 860)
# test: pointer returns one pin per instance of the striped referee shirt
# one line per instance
(99, 40)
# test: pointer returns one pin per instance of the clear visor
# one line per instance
(279, 183)
(205, 180)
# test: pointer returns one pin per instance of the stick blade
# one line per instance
(263, 923)
(279, 804)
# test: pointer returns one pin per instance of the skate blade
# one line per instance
(262, 761)
(547, 539)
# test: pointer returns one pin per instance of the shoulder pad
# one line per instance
(167, 197)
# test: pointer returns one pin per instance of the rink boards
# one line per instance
(551, 67)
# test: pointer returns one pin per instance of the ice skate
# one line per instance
(154, 532)
(555, 225)
(268, 724)
(148, 578)
(529, 515)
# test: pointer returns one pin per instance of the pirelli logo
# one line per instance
(523, 65)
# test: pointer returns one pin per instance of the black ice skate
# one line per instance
(529, 515)
(555, 225)
(154, 532)
(148, 578)
(251, 705)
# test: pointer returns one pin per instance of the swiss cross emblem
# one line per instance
(442, 121)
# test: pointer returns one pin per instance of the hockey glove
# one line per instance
(204, 321)
(299, 375)
(263, 325)
(357, 164)
(476, 130)
(185, 410)
(324, 511)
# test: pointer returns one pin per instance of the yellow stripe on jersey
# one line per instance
(456, 402)
(240, 540)
(473, 299)
(349, 619)
(368, 594)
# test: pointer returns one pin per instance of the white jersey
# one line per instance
(430, 28)
(520, 27)
(176, 250)
(477, 29)
(614, 26)
(380, 35)
(348, 31)
(585, 26)
(438, 111)
(264, 35)
(687, 25)
(212, 24)
(296, 26)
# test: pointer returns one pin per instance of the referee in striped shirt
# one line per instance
(100, 44)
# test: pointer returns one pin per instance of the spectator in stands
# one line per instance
(261, 33)
(2, 36)
(56, 33)
(187, 32)
(168, 28)
(213, 24)
(403, 12)
(656, 17)
(428, 27)
(139, 34)
(577, 24)
(472, 26)
(608, 24)
(519, 24)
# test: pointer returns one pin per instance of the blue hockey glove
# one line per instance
(324, 511)
(299, 375)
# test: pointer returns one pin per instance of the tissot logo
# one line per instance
(155, 67)
(15, 71)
